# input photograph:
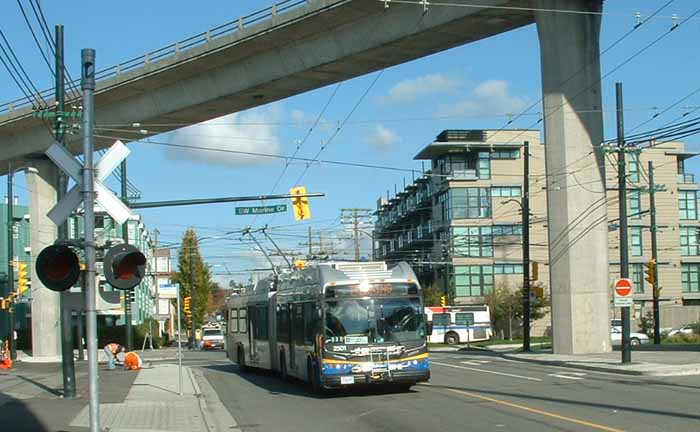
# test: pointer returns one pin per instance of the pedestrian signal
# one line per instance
(124, 266)
(650, 272)
(300, 203)
(57, 267)
(21, 278)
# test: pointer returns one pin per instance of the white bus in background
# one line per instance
(459, 324)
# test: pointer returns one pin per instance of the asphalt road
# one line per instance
(468, 392)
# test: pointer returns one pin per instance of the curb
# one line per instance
(694, 371)
(215, 415)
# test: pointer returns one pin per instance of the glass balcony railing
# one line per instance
(686, 178)
(463, 175)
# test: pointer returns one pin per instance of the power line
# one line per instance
(38, 45)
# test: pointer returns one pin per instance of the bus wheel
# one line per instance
(240, 359)
(283, 367)
(451, 338)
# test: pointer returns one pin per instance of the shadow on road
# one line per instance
(16, 416)
(272, 382)
(494, 393)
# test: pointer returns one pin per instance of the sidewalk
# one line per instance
(162, 354)
(147, 400)
(670, 362)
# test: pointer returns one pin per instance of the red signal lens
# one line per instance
(128, 266)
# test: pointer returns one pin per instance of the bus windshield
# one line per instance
(384, 320)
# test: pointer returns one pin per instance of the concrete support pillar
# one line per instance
(577, 210)
(46, 338)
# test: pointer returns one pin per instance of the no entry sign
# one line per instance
(623, 293)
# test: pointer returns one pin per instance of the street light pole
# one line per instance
(526, 247)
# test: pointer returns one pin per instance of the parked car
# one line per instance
(616, 323)
(636, 339)
(686, 329)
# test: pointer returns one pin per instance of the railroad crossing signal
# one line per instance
(21, 278)
(104, 197)
(186, 306)
(300, 203)
(650, 272)
(124, 266)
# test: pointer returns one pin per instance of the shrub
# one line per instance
(682, 338)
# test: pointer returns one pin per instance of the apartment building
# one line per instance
(459, 224)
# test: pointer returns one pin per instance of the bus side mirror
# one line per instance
(429, 327)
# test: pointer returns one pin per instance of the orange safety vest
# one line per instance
(114, 347)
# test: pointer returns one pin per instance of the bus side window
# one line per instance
(260, 323)
(298, 323)
(441, 319)
(464, 319)
(283, 323)
(309, 323)
(233, 320)
(242, 322)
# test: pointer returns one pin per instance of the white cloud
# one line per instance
(491, 97)
(304, 120)
(409, 90)
(382, 138)
(252, 131)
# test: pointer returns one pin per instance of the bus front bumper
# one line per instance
(340, 374)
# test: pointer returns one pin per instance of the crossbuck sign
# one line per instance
(104, 197)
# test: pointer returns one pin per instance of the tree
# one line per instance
(431, 295)
(506, 307)
(188, 258)
(216, 300)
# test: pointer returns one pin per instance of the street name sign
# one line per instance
(279, 208)
(623, 293)
(103, 169)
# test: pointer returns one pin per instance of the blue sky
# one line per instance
(472, 86)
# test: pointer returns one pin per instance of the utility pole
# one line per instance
(353, 217)
(622, 194)
(125, 236)
(10, 286)
(526, 246)
(654, 254)
(88, 87)
(67, 363)
(310, 244)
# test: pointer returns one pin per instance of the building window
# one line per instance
(635, 204)
(484, 166)
(506, 154)
(505, 191)
(473, 280)
(507, 269)
(636, 246)
(688, 205)
(633, 167)
(470, 203)
(689, 241)
(443, 200)
(690, 278)
(507, 230)
(637, 273)
(472, 241)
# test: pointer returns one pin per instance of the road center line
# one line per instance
(486, 371)
(538, 411)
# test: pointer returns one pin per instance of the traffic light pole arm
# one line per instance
(174, 203)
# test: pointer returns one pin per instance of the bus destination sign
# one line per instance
(278, 208)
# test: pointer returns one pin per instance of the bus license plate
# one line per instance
(347, 380)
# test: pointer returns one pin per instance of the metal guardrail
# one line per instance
(162, 53)
(686, 178)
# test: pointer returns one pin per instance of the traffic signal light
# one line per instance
(443, 301)
(21, 278)
(5, 303)
(57, 267)
(535, 273)
(186, 306)
(650, 271)
(300, 203)
(124, 266)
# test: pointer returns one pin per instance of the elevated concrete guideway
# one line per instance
(319, 42)
(315, 44)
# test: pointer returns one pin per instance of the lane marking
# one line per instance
(538, 411)
(486, 371)
(568, 375)
(475, 362)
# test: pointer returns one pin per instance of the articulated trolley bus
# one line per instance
(333, 325)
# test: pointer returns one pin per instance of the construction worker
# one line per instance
(132, 361)
(5, 359)
(111, 350)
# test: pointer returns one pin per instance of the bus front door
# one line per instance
(251, 336)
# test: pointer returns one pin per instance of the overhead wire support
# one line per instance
(279, 251)
(249, 233)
